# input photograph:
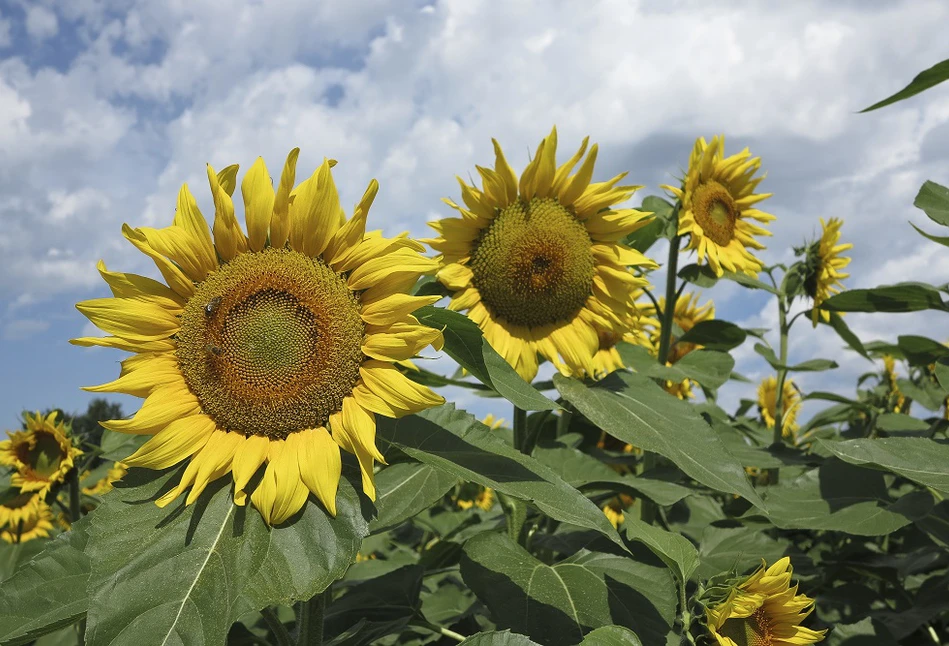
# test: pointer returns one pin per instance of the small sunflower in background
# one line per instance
(471, 495)
(42, 454)
(537, 261)
(895, 400)
(687, 314)
(718, 210)
(104, 485)
(636, 331)
(790, 402)
(614, 509)
(763, 609)
(823, 264)
(492, 422)
(273, 348)
(23, 516)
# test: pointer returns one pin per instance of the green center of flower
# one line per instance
(44, 456)
(716, 212)
(756, 630)
(534, 265)
(271, 343)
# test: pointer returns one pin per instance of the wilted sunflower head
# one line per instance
(718, 199)
(537, 262)
(42, 454)
(23, 516)
(822, 267)
(790, 402)
(276, 347)
(763, 609)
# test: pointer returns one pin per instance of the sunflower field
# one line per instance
(295, 474)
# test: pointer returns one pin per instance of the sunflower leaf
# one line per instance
(812, 365)
(558, 604)
(715, 334)
(675, 550)
(933, 199)
(465, 343)
(920, 350)
(185, 574)
(922, 81)
(454, 441)
(405, 489)
(901, 297)
(632, 408)
(921, 460)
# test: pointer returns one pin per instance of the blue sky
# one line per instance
(108, 106)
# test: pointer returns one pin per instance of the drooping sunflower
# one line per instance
(790, 402)
(23, 516)
(718, 201)
(274, 347)
(763, 610)
(537, 262)
(42, 454)
(824, 264)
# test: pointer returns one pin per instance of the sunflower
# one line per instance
(104, 485)
(42, 454)
(492, 422)
(276, 347)
(23, 516)
(636, 332)
(895, 400)
(768, 401)
(538, 263)
(824, 263)
(717, 201)
(680, 389)
(475, 496)
(615, 509)
(763, 610)
(686, 315)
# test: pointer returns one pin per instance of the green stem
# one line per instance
(668, 312)
(563, 422)
(515, 512)
(310, 620)
(520, 429)
(75, 508)
(783, 329)
(276, 627)
(445, 632)
(685, 613)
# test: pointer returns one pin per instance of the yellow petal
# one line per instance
(140, 287)
(178, 441)
(319, 463)
(506, 173)
(175, 278)
(130, 318)
(227, 178)
(162, 407)
(258, 194)
(189, 217)
(183, 248)
(314, 212)
(399, 342)
(348, 237)
(142, 374)
(394, 307)
(581, 180)
(281, 493)
(117, 343)
(401, 262)
(247, 459)
(280, 222)
(229, 240)
(399, 394)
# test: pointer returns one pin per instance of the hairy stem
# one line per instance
(783, 329)
(276, 627)
(310, 620)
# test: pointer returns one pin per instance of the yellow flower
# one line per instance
(791, 403)
(23, 516)
(763, 610)
(824, 273)
(615, 507)
(895, 398)
(687, 314)
(475, 496)
(116, 472)
(538, 264)
(681, 389)
(42, 454)
(493, 423)
(717, 206)
(276, 347)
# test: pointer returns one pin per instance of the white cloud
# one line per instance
(22, 329)
(41, 23)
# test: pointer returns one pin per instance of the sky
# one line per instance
(108, 106)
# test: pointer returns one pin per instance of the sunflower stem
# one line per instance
(520, 430)
(75, 508)
(310, 619)
(685, 613)
(783, 328)
(276, 627)
(563, 422)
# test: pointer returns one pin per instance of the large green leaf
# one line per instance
(381, 606)
(921, 460)
(405, 489)
(922, 81)
(465, 343)
(586, 472)
(675, 550)
(902, 297)
(454, 441)
(839, 497)
(185, 574)
(499, 638)
(632, 408)
(844, 332)
(708, 367)
(48, 592)
(920, 350)
(933, 198)
(715, 334)
(812, 365)
(557, 605)
(723, 549)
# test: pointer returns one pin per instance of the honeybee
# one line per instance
(212, 306)
(215, 350)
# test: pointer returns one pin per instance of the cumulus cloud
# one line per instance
(41, 23)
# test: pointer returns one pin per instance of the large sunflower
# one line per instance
(537, 262)
(23, 516)
(273, 347)
(763, 610)
(717, 205)
(42, 454)
(790, 402)
(825, 263)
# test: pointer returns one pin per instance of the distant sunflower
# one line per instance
(607, 358)
(768, 401)
(537, 262)
(687, 314)
(274, 347)
(23, 516)
(474, 495)
(615, 509)
(824, 264)
(42, 454)
(493, 422)
(681, 389)
(717, 206)
(104, 485)
(895, 400)
(764, 609)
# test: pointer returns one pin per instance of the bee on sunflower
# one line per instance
(273, 348)
(537, 261)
